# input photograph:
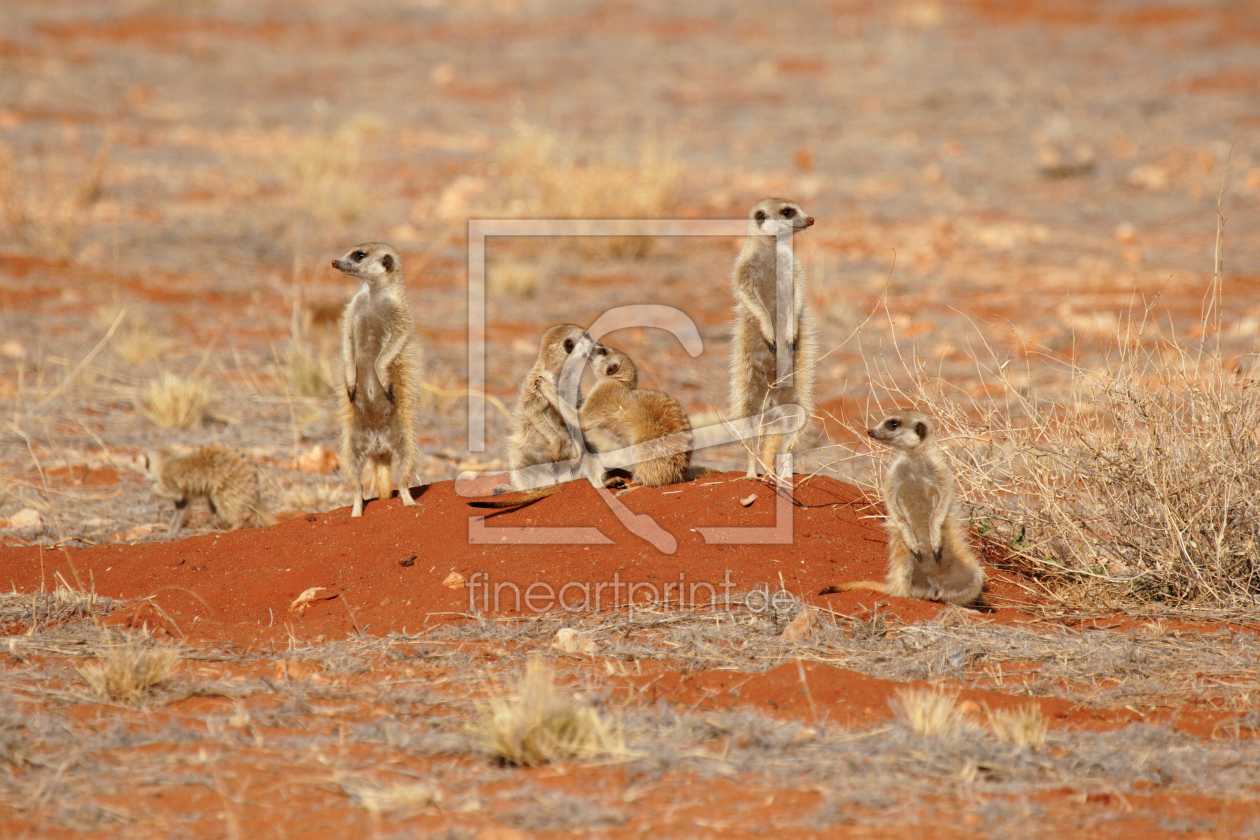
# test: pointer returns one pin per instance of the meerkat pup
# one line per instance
(539, 433)
(766, 273)
(224, 477)
(928, 553)
(378, 403)
(617, 414)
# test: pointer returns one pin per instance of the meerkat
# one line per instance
(224, 477)
(617, 413)
(756, 383)
(539, 432)
(928, 554)
(378, 403)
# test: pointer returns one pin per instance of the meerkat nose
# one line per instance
(809, 220)
(334, 264)
(870, 433)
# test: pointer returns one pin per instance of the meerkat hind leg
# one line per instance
(404, 487)
(178, 516)
(354, 472)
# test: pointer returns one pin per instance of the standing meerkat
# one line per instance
(617, 414)
(760, 278)
(928, 554)
(224, 477)
(378, 402)
(539, 433)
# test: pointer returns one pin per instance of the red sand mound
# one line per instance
(386, 570)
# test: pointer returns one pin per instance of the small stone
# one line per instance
(138, 532)
(454, 581)
(320, 459)
(569, 640)
(749, 500)
(410, 561)
(27, 519)
(802, 627)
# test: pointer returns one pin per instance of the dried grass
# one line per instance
(172, 401)
(929, 713)
(536, 724)
(323, 174)
(315, 497)
(128, 671)
(309, 373)
(46, 203)
(403, 799)
(135, 344)
(543, 179)
(1023, 727)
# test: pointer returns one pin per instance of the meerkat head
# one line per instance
(772, 216)
(154, 460)
(370, 262)
(906, 430)
(559, 342)
(610, 363)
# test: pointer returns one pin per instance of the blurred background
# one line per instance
(998, 187)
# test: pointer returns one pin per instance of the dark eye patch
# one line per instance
(358, 256)
(568, 345)
(788, 212)
(892, 424)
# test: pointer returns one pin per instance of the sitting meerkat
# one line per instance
(617, 413)
(762, 332)
(928, 554)
(224, 477)
(539, 433)
(377, 405)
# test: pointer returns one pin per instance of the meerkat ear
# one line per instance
(388, 262)
(920, 429)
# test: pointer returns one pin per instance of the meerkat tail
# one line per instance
(873, 585)
(517, 501)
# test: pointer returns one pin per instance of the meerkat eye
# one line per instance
(761, 215)
(569, 345)
(892, 424)
(788, 212)
(358, 256)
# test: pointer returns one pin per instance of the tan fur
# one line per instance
(377, 405)
(617, 413)
(220, 474)
(755, 383)
(928, 553)
(539, 433)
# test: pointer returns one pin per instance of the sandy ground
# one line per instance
(1003, 181)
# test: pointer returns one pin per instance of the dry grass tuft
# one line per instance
(536, 724)
(544, 179)
(323, 173)
(135, 344)
(128, 671)
(929, 713)
(404, 799)
(172, 401)
(309, 373)
(45, 205)
(39, 609)
(512, 278)
(316, 498)
(1023, 727)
